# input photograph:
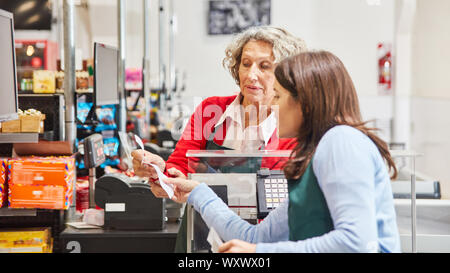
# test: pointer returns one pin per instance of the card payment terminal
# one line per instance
(94, 156)
(272, 190)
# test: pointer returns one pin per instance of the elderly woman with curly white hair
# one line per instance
(239, 122)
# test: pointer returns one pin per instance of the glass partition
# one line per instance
(233, 176)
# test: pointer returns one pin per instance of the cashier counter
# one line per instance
(252, 192)
(134, 219)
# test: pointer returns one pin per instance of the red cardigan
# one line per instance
(201, 125)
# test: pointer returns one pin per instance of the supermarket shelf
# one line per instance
(25, 218)
(31, 94)
(19, 137)
(17, 212)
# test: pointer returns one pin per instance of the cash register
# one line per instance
(128, 203)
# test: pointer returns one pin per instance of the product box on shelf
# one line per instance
(32, 123)
(26, 240)
(41, 182)
(12, 126)
(29, 121)
(3, 181)
(44, 81)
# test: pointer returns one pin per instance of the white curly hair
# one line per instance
(283, 43)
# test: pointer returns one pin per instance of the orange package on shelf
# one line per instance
(3, 181)
(41, 182)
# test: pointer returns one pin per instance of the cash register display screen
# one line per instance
(98, 146)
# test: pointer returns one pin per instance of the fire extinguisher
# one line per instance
(384, 67)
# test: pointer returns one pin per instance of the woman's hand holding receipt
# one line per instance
(143, 170)
(181, 187)
(146, 170)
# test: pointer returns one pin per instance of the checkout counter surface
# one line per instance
(101, 240)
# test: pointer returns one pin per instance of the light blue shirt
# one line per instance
(355, 182)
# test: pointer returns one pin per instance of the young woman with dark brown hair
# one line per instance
(340, 198)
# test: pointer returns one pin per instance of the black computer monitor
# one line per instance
(106, 62)
(8, 77)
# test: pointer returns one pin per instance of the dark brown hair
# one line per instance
(321, 84)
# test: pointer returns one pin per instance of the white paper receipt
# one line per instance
(214, 240)
(161, 176)
(139, 142)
